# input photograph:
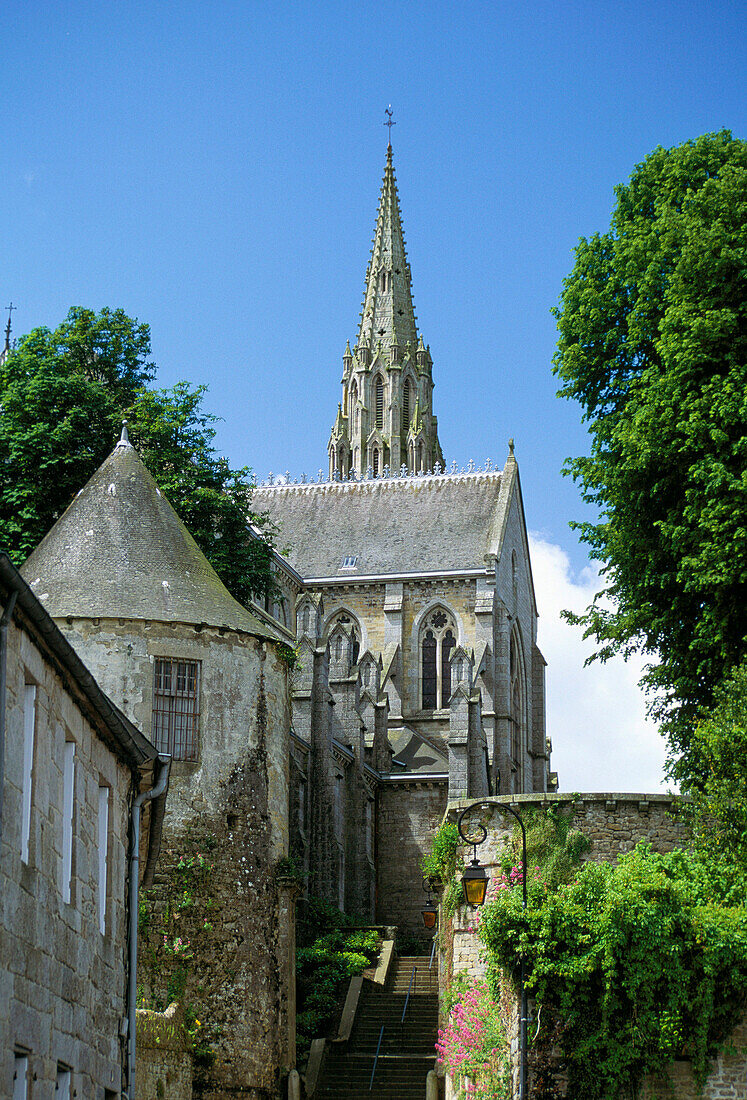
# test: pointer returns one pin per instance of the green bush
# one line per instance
(330, 951)
(440, 863)
(634, 959)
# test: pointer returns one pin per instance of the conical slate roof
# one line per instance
(121, 551)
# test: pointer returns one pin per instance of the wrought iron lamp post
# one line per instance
(475, 886)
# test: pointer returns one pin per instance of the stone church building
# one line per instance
(417, 623)
(407, 595)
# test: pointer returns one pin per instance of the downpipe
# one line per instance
(146, 796)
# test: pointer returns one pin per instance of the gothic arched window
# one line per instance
(379, 396)
(353, 630)
(406, 405)
(438, 638)
(518, 718)
(305, 619)
(376, 462)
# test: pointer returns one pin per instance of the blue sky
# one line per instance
(214, 169)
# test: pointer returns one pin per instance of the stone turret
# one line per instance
(387, 376)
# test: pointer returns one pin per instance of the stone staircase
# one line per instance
(407, 1049)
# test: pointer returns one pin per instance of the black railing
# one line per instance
(378, 1048)
(409, 990)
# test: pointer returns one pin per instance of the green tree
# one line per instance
(653, 345)
(63, 395)
(717, 785)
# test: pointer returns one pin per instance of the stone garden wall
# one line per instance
(614, 823)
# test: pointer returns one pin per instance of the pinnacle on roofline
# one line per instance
(283, 481)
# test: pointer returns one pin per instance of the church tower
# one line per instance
(385, 419)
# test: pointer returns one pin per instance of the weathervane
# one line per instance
(388, 112)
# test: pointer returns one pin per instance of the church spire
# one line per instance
(387, 376)
(387, 303)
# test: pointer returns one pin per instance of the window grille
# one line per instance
(406, 406)
(376, 463)
(176, 707)
(379, 403)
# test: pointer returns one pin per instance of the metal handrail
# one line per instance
(378, 1048)
(430, 965)
(407, 998)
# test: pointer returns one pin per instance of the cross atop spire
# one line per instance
(388, 112)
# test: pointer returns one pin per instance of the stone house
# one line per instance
(71, 766)
(207, 680)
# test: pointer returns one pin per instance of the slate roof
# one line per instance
(413, 753)
(390, 525)
(121, 551)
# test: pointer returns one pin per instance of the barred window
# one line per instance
(176, 707)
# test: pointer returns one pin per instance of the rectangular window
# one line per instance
(64, 1082)
(20, 1076)
(68, 811)
(29, 732)
(103, 846)
(176, 707)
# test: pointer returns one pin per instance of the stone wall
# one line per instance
(62, 982)
(230, 806)
(614, 823)
(408, 814)
(164, 1061)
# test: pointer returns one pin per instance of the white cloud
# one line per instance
(596, 716)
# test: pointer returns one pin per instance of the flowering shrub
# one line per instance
(473, 1045)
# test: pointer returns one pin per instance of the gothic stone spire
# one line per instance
(387, 376)
(388, 312)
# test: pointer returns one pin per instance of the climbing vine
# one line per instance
(439, 865)
(171, 920)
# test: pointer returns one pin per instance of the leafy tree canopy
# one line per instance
(653, 345)
(717, 785)
(63, 396)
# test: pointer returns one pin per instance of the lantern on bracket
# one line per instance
(429, 912)
(475, 879)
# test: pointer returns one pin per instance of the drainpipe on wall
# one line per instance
(146, 796)
(4, 624)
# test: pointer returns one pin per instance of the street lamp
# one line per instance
(474, 880)
(429, 912)
(475, 885)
